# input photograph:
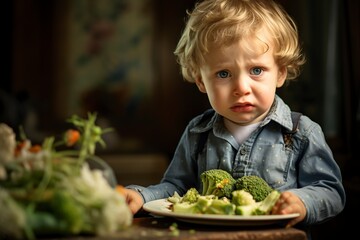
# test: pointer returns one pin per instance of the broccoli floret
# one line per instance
(246, 210)
(255, 185)
(242, 204)
(204, 202)
(266, 205)
(263, 207)
(242, 197)
(217, 182)
(199, 206)
(174, 198)
(220, 206)
(191, 196)
(185, 207)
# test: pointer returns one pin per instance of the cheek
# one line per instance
(266, 96)
(211, 93)
(212, 97)
(217, 96)
(268, 88)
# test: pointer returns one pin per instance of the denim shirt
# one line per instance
(306, 168)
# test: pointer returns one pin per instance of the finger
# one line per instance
(276, 209)
(278, 206)
(134, 208)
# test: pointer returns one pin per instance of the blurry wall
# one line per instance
(114, 57)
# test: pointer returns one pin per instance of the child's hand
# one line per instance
(133, 199)
(290, 203)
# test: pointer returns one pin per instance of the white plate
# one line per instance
(161, 208)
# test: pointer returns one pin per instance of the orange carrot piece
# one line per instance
(34, 149)
(71, 137)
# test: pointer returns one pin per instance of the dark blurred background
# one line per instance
(115, 57)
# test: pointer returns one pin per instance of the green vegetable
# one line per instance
(198, 206)
(224, 195)
(65, 208)
(259, 208)
(255, 185)
(191, 196)
(217, 182)
(204, 202)
(208, 204)
(55, 188)
(174, 198)
(185, 207)
(246, 210)
(12, 217)
(242, 203)
(44, 223)
(268, 203)
(242, 197)
(220, 206)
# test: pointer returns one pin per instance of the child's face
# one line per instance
(240, 83)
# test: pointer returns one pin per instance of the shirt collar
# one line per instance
(279, 112)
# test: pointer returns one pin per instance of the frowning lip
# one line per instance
(242, 107)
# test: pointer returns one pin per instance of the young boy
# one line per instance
(239, 52)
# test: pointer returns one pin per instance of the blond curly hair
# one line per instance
(222, 22)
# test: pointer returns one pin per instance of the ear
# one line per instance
(281, 77)
(200, 84)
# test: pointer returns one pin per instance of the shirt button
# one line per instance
(243, 151)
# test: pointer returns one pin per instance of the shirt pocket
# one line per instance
(272, 163)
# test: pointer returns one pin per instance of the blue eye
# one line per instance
(223, 74)
(256, 71)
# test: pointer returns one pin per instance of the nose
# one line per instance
(241, 85)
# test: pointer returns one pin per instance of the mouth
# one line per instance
(242, 107)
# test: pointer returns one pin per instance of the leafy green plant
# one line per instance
(51, 189)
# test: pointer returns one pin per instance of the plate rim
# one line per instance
(159, 207)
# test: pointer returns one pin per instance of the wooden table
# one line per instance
(168, 228)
